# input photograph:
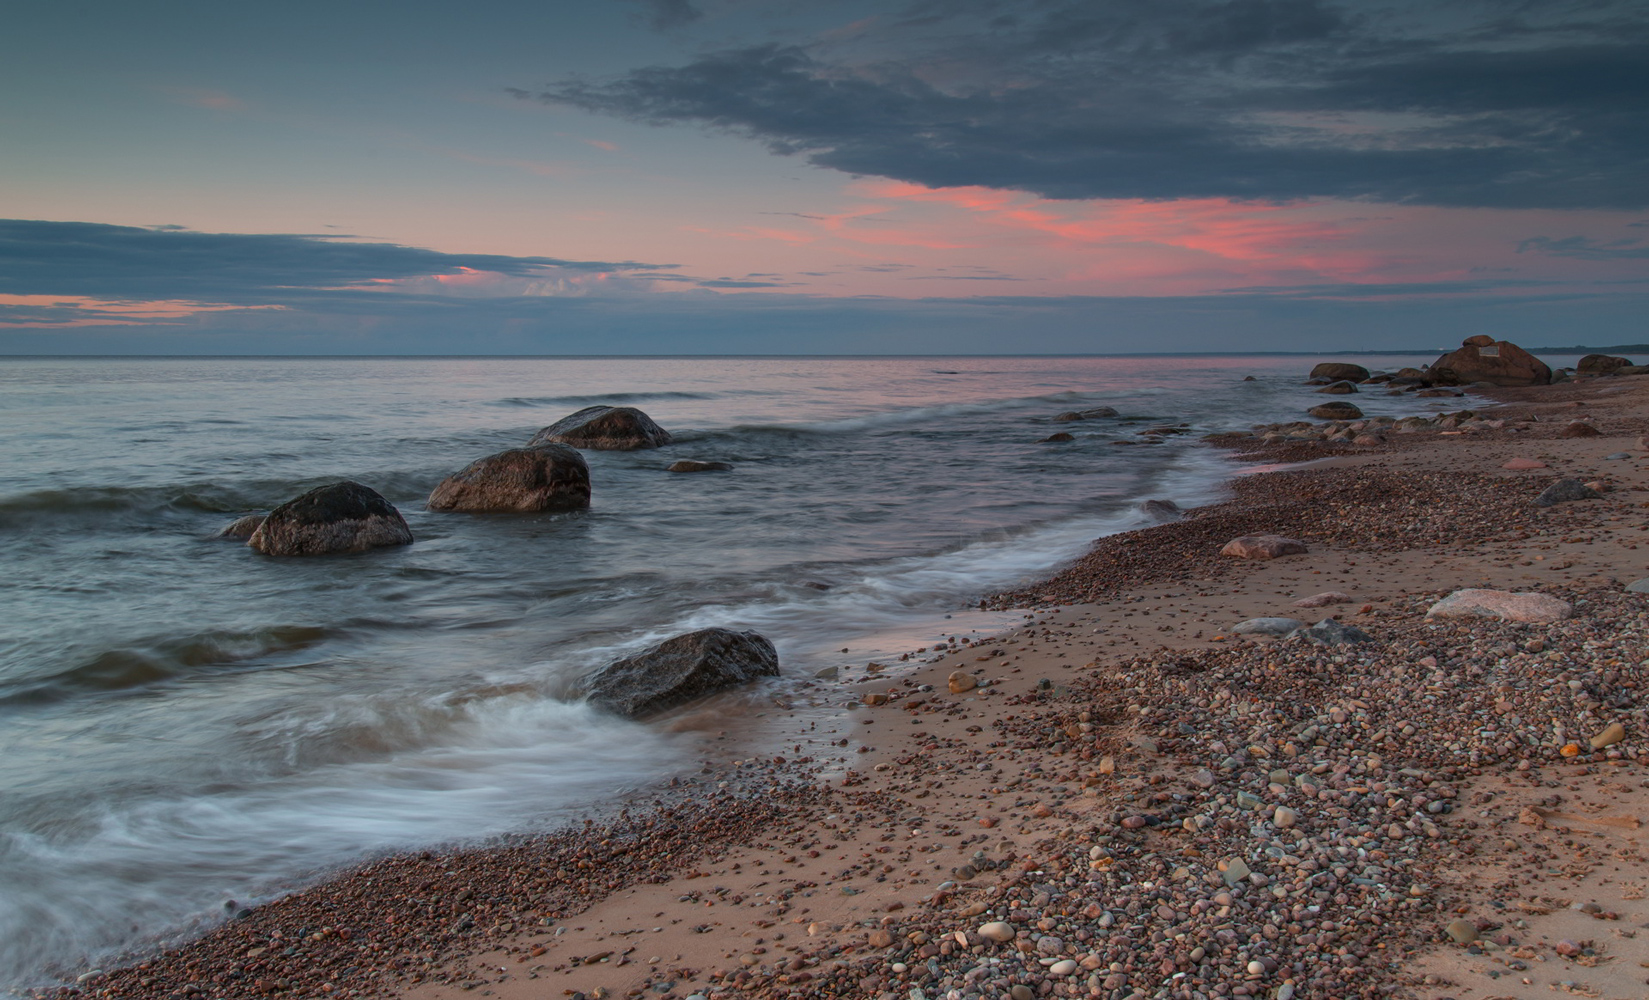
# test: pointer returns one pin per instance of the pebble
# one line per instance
(1462, 931)
(1062, 968)
(961, 682)
(1283, 818)
(1612, 734)
(997, 930)
(1235, 871)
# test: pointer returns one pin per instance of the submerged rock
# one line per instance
(243, 527)
(1059, 438)
(605, 428)
(342, 517)
(546, 477)
(680, 669)
(1093, 413)
(689, 465)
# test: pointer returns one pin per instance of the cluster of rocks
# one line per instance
(548, 474)
(1373, 430)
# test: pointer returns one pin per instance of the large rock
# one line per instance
(343, 517)
(1335, 371)
(1565, 490)
(1341, 388)
(1530, 607)
(604, 428)
(683, 668)
(546, 477)
(1263, 547)
(1335, 411)
(1483, 359)
(1602, 364)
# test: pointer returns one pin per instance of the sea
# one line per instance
(185, 723)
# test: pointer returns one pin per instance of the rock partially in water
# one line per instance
(1059, 438)
(1476, 603)
(1161, 510)
(605, 428)
(1093, 413)
(1335, 411)
(545, 477)
(1334, 371)
(681, 669)
(1564, 491)
(1602, 364)
(342, 517)
(690, 465)
(1484, 359)
(1341, 388)
(243, 527)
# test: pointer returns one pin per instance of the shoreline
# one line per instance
(785, 884)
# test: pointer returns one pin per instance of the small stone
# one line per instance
(1284, 818)
(1564, 491)
(1463, 931)
(881, 937)
(1062, 968)
(962, 682)
(1021, 992)
(1612, 734)
(1256, 968)
(1204, 778)
(1108, 765)
(997, 930)
(1133, 822)
(1567, 948)
(1236, 870)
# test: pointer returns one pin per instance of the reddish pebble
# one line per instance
(1133, 822)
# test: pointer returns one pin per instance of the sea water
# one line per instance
(184, 722)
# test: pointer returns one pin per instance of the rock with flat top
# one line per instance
(342, 517)
(1564, 491)
(1263, 547)
(544, 478)
(1507, 606)
(1323, 600)
(683, 668)
(604, 428)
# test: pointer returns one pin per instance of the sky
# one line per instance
(828, 176)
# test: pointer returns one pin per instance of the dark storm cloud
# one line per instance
(131, 263)
(1506, 104)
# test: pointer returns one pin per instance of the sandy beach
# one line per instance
(1123, 797)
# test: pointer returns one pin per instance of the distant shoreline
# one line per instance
(1640, 348)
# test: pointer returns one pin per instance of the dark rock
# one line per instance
(1331, 632)
(689, 465)
(1249, 378)
(1579, 429)
(1339, 388)
(1335, 411)
(1438, 394)
(1483, 359)
(1335, 371)
(1601, 364)
(604, 428)
(683, 668)
(343, 517)
(1161, 510)
(243, 527)
(1090, 414)
(545, 477)
(1059, 438)
(1565, 490)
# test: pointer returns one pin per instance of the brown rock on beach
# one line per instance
(1484, 359)
(1263, 547)
(1528, 607)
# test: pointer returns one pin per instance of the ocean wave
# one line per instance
(161, 659)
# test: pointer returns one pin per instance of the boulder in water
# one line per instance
(545, 477)
(1341, 388)
(1484, 359)
(604, 428)
(1059, 438)
(342, 517)
(243, 527)
(1334, 371)
(1161, 510)
(1335, 411)
(689, 465)
(681, 669)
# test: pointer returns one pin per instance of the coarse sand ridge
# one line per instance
(1121, 798)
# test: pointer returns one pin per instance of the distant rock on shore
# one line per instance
(1602, 364)
(1484, 359)
(342, 517)
(681, 669)
(604, 428)
(545, 477)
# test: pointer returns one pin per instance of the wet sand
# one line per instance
(1134, 800)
